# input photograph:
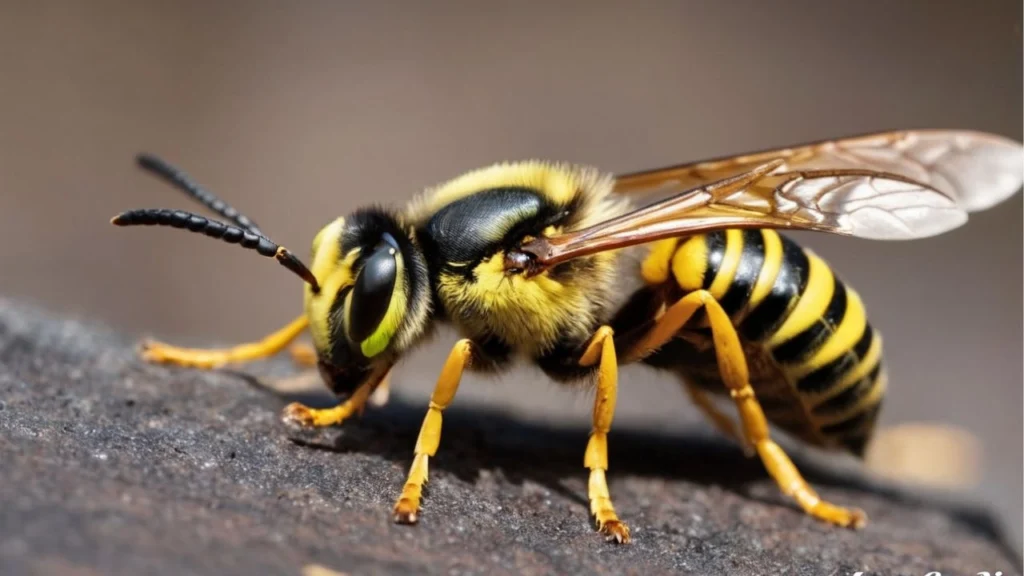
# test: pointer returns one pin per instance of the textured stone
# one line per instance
(112, 466)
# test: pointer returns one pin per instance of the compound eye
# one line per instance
(373, 291)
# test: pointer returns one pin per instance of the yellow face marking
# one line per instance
(730, 263)
(376, 343)
(333, 229)
(811, 304)
(655, 267)
(842, 341)
(333, 273)
(689, 263)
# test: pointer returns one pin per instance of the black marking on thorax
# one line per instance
(472, 228)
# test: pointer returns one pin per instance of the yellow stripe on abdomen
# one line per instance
(769, 269)
(810, 305)
(730, 262)
(839, 340)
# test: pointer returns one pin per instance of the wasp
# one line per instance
(526, 260)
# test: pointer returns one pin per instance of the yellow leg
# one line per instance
(303, 355)
(199, 358)
(723, 423)
(302, 415)
(733, 366)
(602, 348)
(408, 506)
(382, 392)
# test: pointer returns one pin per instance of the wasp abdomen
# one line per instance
(818, 368)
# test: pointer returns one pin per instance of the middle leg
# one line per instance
(407, 508)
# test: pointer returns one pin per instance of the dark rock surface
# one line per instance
(112, 466)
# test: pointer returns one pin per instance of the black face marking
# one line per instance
(371, 294)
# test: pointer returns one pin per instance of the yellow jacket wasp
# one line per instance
(522, 259)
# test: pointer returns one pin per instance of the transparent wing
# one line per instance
(852, 202)
(977, 169)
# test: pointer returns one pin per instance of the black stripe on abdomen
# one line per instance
(825, 377)
(851, 396)
(855, 423)
(750, 264)
(806, 343)
(714, 243)
(789, 285)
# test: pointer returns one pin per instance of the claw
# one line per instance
(303, 355)
(617, 531)
(406, 512)
(298, 415)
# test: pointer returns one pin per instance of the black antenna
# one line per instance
(216, 229)
(183, 182)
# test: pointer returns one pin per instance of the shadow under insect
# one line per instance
(477, 439)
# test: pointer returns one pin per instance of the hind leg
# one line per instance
(733, 367)
(723, 423)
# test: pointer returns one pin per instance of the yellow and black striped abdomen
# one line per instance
(815, 361)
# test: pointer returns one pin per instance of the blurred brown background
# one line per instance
(297, 112)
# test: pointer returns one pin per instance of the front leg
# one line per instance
(408, 506)
(602, 349)
(208, 359)
(301, 415)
